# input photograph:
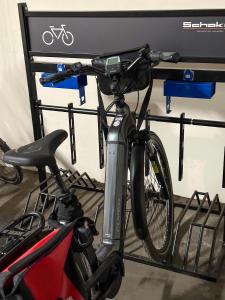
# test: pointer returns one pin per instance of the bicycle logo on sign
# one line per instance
(66, 36)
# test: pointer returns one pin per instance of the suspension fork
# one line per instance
(154, 157)
(137, 173)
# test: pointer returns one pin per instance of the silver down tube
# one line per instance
(116, 179)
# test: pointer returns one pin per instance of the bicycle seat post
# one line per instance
(58, 178)
(68, 207)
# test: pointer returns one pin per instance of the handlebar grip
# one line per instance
(157, 56)
(55, 77)
(170, 56)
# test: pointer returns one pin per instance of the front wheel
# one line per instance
(152, 197)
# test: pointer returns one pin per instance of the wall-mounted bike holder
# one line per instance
(187, 89)
(181, 148)
(100, 139)
(199, 211)
(71, 83)
(72, 134)
(199, 225)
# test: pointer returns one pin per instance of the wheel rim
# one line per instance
(6, 172)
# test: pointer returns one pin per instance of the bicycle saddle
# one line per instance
(39, 153)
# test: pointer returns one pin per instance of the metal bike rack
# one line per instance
(196, 213)
(198, 247)
(44, 200)
(195, 254)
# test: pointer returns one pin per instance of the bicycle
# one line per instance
(128, 146)
(66, 36)
(8, 173)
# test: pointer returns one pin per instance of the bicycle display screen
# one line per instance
(113, 60)
(112, 65)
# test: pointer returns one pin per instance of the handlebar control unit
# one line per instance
(131, 67)
(113, 65)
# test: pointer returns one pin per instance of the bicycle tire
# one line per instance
(9, 174)
(147, 202)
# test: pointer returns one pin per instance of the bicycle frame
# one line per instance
(116, 182)
(125, 141)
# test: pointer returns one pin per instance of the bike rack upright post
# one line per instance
(31, 82)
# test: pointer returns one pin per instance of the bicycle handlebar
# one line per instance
(56, 77)
(157, 56)
(97, 68)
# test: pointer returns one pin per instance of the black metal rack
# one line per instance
(188, 255)
(48, 190)
(199, 213)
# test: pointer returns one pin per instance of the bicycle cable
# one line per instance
(110, 106)
(138, 99)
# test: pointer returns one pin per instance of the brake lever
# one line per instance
(143, 54)
(134, 63)
(76, 67)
